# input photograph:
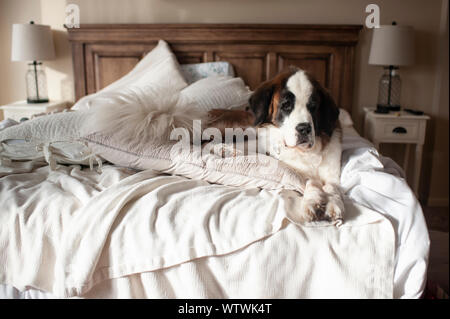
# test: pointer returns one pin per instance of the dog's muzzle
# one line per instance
(304, 136)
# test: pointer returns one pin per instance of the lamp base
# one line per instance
(33, 101)
(36, 84)
(389, 90)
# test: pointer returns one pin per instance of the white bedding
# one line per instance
(142, 235)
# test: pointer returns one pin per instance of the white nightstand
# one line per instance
(398, 127)
(22, 109)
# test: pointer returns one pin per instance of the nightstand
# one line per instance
(22, 109)
(398, 127)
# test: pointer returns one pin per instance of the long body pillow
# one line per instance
(227, 168)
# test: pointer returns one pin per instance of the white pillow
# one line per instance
(158, 68)
(217, 92)
(196, 71)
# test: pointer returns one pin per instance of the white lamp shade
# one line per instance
(32, 42)
(392, 45)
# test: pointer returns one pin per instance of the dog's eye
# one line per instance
(286, 106)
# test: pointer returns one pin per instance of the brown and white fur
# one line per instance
(301, 119)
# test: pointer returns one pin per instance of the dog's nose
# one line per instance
(303, 129)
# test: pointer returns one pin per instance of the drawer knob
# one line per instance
(399, 130)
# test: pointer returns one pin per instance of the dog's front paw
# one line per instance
(335, 204)
(313, 206)
(335, 208)
(311, 210)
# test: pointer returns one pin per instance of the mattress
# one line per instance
(218, 241)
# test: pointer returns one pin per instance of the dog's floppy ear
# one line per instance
(328, 113)
(260, 102)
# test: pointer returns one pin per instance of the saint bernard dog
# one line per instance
(301, 120)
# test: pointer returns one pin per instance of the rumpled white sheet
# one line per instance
(120, 234)
(377, 182)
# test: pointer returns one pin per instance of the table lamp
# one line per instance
(33, 42)
(392, 46)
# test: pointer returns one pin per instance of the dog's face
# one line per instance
(298, 105)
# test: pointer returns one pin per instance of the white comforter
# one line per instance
(73, 232)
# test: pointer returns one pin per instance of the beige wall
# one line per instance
(419, 81)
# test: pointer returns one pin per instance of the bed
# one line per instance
(238, 244)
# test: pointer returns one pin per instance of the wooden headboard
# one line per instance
(102, 53)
